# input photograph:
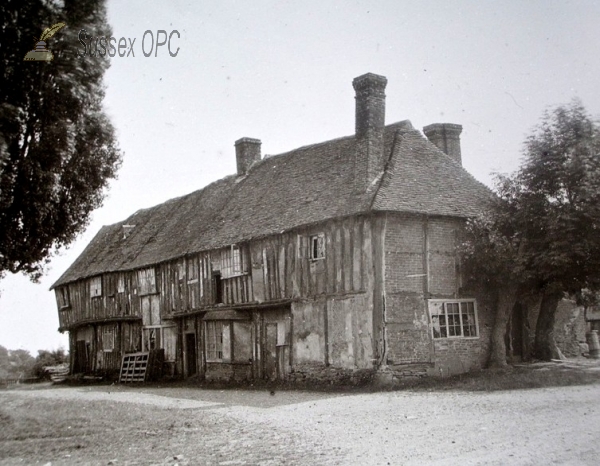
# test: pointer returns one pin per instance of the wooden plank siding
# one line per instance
(273, 268)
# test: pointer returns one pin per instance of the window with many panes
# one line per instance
(453, 318)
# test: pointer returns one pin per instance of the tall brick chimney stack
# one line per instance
(446, 136)
(370, 121)
(247, 151)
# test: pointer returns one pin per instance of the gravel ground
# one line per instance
(234, 427)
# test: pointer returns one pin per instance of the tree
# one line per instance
(57, 147)
(542, 234)
(15, 364)
(47, 358)
(560, 212)
(491, 253)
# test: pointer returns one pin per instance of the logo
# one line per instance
(102, 46)
(40, 52)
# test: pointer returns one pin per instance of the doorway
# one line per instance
(191, 357)
(82, 349)
(270, 352)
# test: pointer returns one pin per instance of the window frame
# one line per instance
(192, 270)
(145, 285)
(106, 331)
(316, 244)
(96, 287)
(441, 304)
(218, 353)
(236, 265)
(227, 349)
(64, 297)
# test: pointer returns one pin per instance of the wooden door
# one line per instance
(191, 358)
(81, 357)
(270, 352)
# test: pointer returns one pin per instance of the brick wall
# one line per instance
(421, 264)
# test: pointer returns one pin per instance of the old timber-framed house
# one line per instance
(332, 261)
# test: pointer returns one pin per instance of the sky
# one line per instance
(282, 72)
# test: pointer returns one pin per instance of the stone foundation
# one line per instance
(216, 371)
(319, 374)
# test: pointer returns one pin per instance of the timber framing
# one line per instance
(315, 264)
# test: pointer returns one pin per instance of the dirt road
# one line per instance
(193, 426)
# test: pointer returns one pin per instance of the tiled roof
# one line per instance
(307, 185)
(420, 178)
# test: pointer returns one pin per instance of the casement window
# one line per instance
(453, 318)
(317, 247)
(147, 281)
(233, 261)
(62, 295)
(192, 270)
(192, 281)
(108, 339)
(121, 283)
(228, 340)
(96, 287)
(236, 259)
(218, 342)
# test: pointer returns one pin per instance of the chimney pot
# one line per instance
(446, 137)
(247, 151)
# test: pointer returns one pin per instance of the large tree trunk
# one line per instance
(545, 347)
(507, 297)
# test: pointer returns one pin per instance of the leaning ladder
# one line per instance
(134, 367)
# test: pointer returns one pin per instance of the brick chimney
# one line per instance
(370, 121)
(446, 136)
(247, 151)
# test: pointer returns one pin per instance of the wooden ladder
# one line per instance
(134, 367)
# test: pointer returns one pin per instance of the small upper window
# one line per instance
(96, 287)
(121, 283)
(317, 247)
(147, 281)
(453, 318)
(192, 270)
(236, 259)
(63, 297)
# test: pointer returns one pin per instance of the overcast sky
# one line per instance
(282, 72)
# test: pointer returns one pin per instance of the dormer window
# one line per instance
(317, 247)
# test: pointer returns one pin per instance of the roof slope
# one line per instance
(307, 185)
(421, 178)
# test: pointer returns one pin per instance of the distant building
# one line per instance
(332, 261)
